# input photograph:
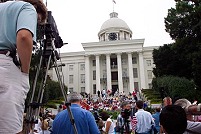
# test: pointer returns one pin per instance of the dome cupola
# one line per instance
(114, 29)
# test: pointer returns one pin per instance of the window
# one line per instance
(104, 62)
(82, 77)
(70, 67)
(114, 76)
(94, 75)
(82, 66)
(123, 61)
(136, 86)
(94, 62)
(135, 74)
(104, 74)
(149, 73)
(124, 35)
(82, 89)
(94, 88)
(148, 62)
(70, 79)
(134, 60)
(125, 85)
(124, 73)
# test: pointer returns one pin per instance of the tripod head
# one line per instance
(49, 31)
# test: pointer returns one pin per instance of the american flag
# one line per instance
(133, 123)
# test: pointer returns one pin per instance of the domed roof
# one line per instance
(114, 22)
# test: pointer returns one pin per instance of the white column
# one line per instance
(87, 75)
(109, 84)
(120, 82)
(130, 72)
(98, 73)
(142, 73)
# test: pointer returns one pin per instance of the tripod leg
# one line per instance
(59, 76)
(30, 112)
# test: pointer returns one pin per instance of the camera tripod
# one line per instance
(48, 56)
(125, 129)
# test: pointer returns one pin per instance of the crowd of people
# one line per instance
(92, 117)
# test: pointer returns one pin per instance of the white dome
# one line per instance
(114, 22)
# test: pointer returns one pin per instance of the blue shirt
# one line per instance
(156, 120)
(84, 122)
(14, 16)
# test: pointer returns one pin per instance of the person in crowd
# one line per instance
(109, 125)
(123, 119)
(44, 127)
(103, 93)
(167, 101)
(134, 95)
(60, 108)
(84, 120)
(192, 126)
(98, 92)
(145, 121)
(18, 22)
(156, 120)
(173, 120)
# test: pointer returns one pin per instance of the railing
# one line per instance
(125, 78)
(102, 80)
(114, 66)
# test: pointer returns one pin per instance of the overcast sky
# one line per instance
(79, 21)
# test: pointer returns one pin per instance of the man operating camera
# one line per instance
(17, 34)
(123, 125)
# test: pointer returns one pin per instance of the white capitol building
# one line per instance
(116, 62)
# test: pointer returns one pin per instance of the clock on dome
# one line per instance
(112, 36)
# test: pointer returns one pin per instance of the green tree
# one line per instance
(183, 23)
(52, 89)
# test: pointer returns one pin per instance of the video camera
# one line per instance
(49, 31)
(125, 113)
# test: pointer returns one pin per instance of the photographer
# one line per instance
(17, 34)
(123, 125)
(192, 127)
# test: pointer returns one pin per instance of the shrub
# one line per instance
(175, 87)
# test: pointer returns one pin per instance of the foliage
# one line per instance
(175, 87)
(51, 105)
(113, 114)
(52, 89)
(182, 58)
(59, 101)
(152, 95)
(184, 20)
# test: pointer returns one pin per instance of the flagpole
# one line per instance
(113, 5)
(113, 2)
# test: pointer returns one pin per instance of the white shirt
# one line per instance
(144, 121)
(111, 129)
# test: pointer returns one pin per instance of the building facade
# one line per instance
(116, 62)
